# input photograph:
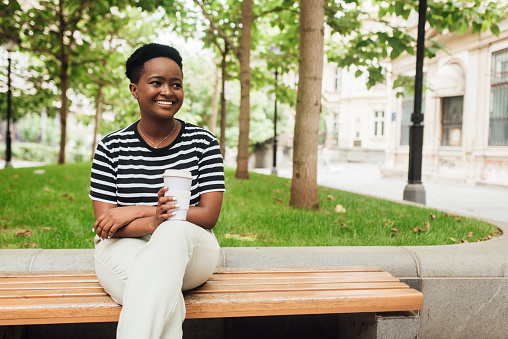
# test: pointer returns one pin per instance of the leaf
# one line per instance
(418, 229)
(453, 239)
(331, 197)
(276, 199)
(344, 225)
(24, 233)
(395, 230)
(463, 241)
(29, 245)
(427, 225)
(340, 209)
(241, 237)
(276, 191)
(470, 234)
(495, 30)
(46, 189)
(432, 216)
(276, 215)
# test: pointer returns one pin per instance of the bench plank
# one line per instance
(52, 297)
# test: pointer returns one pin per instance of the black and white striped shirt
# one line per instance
(127, 171)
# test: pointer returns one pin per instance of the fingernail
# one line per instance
(165, 187)
(175, 198)
(177, 205)
(93, 229)
(109, 237)
(173, 213)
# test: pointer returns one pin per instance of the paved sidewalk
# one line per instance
(364, 178)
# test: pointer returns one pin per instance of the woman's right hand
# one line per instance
(164, 205)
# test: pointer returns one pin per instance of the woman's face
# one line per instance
(159, 91)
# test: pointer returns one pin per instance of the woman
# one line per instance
(143, 259)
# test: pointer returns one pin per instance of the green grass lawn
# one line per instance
(48, 207)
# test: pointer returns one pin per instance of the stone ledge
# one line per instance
(483, 259)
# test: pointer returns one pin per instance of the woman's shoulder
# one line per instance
(120, 135)
(194, 131)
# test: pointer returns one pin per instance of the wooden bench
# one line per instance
(77, 297)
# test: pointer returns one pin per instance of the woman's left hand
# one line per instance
(164, 205)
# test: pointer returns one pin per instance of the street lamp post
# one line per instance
(276, 53)
(414, 190)
(9, 46)
(274, 164)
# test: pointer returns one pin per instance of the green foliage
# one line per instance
(255, 212)
(366, 46)
(42, 153)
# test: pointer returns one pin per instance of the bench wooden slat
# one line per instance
(297, 269)
(53, 293)
(208, 288)
(304, 302)
(58, 310)
(52, 297)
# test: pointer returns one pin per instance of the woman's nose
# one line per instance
(166, 89)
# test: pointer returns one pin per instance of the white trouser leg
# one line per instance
(178, 256)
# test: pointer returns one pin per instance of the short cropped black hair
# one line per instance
(134, 66)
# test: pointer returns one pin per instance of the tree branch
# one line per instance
(226, 38)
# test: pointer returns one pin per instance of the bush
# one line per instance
(42, 153)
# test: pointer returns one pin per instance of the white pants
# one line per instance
(147, 275)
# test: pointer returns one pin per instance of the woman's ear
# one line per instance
(134, 90)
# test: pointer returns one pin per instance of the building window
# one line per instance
(498, 129)
(338, 80)
(407, 110)
(451, 123)
(379, 124)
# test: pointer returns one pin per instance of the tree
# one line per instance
(107, 69)
(58, 30)
(304, 192)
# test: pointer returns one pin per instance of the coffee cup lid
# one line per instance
(177, 173)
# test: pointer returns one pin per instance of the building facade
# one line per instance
(465, 111)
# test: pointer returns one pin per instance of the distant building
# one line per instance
(466, 111)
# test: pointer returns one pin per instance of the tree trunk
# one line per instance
(304, 192)
(223, 104)
(63, 110)
(215, 101)
(63, 57)
(242, 165)
(98, 113)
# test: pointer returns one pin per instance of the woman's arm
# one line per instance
(208, 211)
(139, 220)
(204, 215)
(112, 220)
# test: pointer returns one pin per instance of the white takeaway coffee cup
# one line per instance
(178, 183)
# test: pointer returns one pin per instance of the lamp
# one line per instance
(414, 190)
(9, 46)
(276, 51)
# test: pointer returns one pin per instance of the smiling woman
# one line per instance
(144, 258)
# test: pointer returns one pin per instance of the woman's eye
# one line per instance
(177, 86)
(156, 83)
